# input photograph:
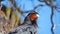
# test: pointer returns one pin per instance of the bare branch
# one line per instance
(52, 13)
(41, 0)
(37, 6)
(52, 8)
(34, 8)
(16, 7)
(49, 3)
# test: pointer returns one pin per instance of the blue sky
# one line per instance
(44, 22)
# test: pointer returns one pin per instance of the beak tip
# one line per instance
(37, 15)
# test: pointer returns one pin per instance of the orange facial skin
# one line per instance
(33, 17)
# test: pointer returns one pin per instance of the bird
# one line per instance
(29, 26)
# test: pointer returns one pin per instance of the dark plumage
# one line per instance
(29, 26)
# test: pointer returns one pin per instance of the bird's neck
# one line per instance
(29, 22)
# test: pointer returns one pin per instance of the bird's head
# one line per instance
(33, 16)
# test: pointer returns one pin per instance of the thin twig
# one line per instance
(34, 8)
(52, 8)
(16, 7)
(49, 3)
(52, 20)
(37, 6)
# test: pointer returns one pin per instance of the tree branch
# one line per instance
(16, 7)
(52, 8)
(37, 6)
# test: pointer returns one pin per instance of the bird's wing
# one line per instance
(15, 31)
(24, 30)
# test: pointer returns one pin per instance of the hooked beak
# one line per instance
(37, 15)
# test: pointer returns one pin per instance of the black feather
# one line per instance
(12, 32)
